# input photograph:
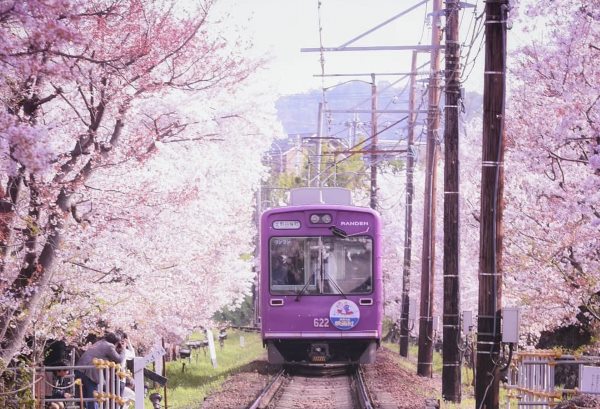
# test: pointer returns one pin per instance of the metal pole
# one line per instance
(410, 164)
(373, 143)
(425, 357)
(138, 377)
(164, 373)
(317, 177)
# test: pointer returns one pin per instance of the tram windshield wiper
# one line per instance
(336, 231)
(335, 284)
(305, 287)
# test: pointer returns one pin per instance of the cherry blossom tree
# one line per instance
(178, 259)
(392, 204)
(553, 166)
(97, 186)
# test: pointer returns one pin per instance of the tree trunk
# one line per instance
(37, 274)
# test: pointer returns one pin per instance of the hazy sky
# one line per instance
(283, 27)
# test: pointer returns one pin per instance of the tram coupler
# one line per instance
(319, 353)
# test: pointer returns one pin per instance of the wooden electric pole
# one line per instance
(373, 143)
(410, 164)
(425, 356)
(451, 376)
(492, 187)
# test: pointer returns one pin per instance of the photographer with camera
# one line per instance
(109, 348)
(127, 361)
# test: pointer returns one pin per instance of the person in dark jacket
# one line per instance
(108, 348)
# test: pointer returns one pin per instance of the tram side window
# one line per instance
(287, 262)
(358, 270)
(358, 266)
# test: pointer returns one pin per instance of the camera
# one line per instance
(155, 399)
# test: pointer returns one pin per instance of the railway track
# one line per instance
(331, 388)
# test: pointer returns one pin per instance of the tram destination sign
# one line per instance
(286, 225)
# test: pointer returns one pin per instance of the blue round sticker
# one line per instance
(344, 314)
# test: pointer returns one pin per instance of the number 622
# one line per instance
(321, 322)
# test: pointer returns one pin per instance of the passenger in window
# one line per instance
(360, 269)
(279, 272)
(359, 265)
(295, 275)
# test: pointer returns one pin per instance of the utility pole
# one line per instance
(256, 267)
(352, 135)
(492, 189)
(425, 356)
(451, 375)
(410, 164)
(317, 178)
(373, 143)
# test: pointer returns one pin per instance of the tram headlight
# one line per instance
(320, 218)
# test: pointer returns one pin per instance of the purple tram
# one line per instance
(321, 295)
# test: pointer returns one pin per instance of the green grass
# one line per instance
(187, 389)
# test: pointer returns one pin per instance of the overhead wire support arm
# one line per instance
(378, 151)
(377, 111)
(344, 47)
(408, 10)
(371, 48)
(378, 74)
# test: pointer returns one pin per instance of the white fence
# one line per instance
(532, 378)
(33, 387)
(108, 393)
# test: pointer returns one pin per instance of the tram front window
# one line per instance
(321, 265)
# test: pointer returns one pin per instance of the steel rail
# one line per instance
(357, 384)
(362, 392)
(271, 389)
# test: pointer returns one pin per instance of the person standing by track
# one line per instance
(107, 349)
